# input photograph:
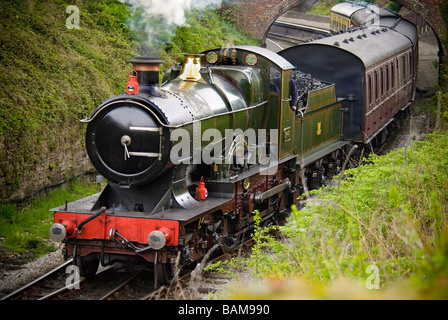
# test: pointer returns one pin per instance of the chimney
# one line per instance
(148, 69)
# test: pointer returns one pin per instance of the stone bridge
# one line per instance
(256, 16)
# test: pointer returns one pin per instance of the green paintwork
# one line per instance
(257, 97)
(321, 121)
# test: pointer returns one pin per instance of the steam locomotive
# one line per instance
(190, 162)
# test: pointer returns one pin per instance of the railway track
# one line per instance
(42, 286)
(197, 284)
(111, 284)
(61, 284)
(119, 283)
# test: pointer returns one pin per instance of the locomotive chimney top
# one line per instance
(148, 69)
(146, 63)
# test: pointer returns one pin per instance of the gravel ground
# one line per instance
(414, 127)
(13, 275)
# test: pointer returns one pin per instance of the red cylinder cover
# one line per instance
(69, 225)
(168, 232)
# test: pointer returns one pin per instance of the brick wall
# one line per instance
(256, 16)
(430, 12)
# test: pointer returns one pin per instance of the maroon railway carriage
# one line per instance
(374, 70)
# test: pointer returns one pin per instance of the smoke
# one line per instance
(154, 22)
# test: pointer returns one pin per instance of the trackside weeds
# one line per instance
(385, 222)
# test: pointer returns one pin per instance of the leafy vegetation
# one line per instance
(390, 215)
(204, 30)
(392, 5)
(25, 228)
(442, 108)
(53, 76)
(323, 7)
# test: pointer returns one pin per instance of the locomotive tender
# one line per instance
(189, 162)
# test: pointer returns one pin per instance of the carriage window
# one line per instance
(376, 85)
(403, 68)
(410, 64)
(387, 79)
(369, 88)
(392, 75)
(275, 81)
(382, 81)
(398, 70)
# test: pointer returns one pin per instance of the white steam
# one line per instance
(155, 21)
(173, 11)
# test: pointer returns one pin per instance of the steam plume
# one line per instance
(155, 21)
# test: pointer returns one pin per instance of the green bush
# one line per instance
(392, 5)
(390, 213)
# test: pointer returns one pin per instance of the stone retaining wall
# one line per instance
(52, 161)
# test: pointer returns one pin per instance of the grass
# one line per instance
(389, 216)
(323, 7)
(24, 229)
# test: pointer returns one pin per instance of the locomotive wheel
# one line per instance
(231, 242)
(166, 273)
(88, 265)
